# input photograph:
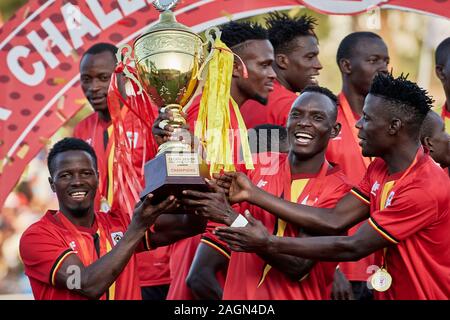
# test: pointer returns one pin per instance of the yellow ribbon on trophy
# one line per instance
(213, 122)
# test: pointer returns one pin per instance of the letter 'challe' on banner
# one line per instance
(42, 43)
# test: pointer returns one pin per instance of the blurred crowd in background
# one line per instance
(23, 207)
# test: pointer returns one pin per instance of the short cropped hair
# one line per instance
(69, 144)
(406, 99)
(100, 48)
(347, 45)
(284, 29)
(235, 33)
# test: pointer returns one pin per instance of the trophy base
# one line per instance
(170, 173)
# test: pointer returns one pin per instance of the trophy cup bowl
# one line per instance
(168, 58)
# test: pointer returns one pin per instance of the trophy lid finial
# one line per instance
(164, 5)
(167, 20)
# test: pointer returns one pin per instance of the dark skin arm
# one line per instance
(254, 237)
(210, 205)
(240, 189)
(214, 206)
(97, 277)
(202, 276)
(348, 211)
(295, 268)
(170, 228)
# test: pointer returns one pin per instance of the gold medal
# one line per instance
(381, 280)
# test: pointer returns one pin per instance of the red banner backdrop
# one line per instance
(41, 46)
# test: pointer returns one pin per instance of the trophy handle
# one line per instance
(210, 39)
(122, 59)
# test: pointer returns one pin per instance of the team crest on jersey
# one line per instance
(72, 245)
(375, 188)
(132, 138)
(305, 201)
(261, 183)
(116, 236)
(389, 199)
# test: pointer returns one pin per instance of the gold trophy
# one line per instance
(169, 58)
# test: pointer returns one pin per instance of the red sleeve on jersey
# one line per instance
(84, 129)
(42, 254)
(280, 114)
(406, 215)
(280, 103)
(211, 240)
(332, 198)
(362, 191)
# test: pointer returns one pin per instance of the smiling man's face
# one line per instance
(304, 64)
(311, 124)
(74, 180)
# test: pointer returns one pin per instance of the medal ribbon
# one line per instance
(388, 188)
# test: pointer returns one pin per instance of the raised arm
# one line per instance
(170, 228)
(296, 268)
(97, 277)
(348, 211)
(364, 242)
(330, 248)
